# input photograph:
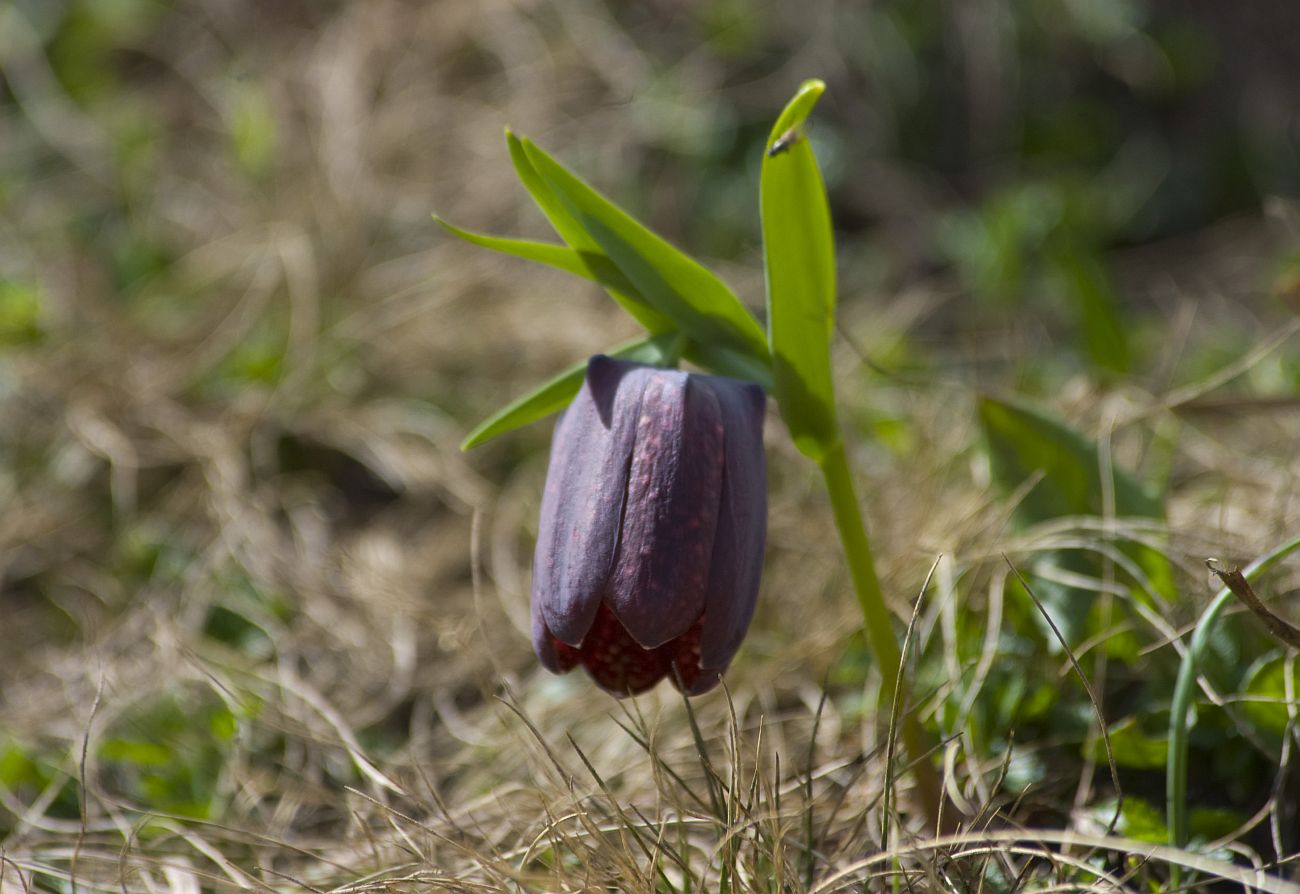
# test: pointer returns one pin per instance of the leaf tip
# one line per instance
(815, 86)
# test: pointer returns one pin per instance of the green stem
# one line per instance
(875, 616)
(1180, 723)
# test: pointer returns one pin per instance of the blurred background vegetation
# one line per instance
(243, 564)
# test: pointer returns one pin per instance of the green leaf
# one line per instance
(1132, 747)
(799, 259)
(163, 755)
(134, 751)
(1213, 823)
(254, 137)
(555, 394)
(1266, 703)
(588, 263)
(1025, 442)
(1138, 819)
(1101, 328)
(672, 282)
(565, 224)
(589, 251)
(1068, 604)
(20, 313)
(726, 362)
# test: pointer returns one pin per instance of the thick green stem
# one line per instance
(875, 616)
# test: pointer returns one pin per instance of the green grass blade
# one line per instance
(799, 258)
(675, 284)
(554, 395)
(589, 264)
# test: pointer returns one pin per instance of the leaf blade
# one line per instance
(799, 262)
(554, 394)
(591, 264)
(566, 225)
(1025, 441)
(672, 282)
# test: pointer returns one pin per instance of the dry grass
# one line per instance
(375, 720)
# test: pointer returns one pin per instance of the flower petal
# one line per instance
(661, 572)
(684, 666)
(556, 657)
(737, 561)
(583, 501)
(616, 662)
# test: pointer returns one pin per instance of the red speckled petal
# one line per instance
(616, 662)
(621, 667)
(684, 667)
(737, 561)
(661, 572)
(583, 501)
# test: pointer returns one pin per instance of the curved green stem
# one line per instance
(875, 615)
(1184, 689)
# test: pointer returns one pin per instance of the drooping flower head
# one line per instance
(654, 516)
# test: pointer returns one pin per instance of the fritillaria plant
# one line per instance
(651, 536)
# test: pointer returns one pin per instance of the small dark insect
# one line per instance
(783, 142)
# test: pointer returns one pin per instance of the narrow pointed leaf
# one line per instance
(675, 284)
(555, 394)
(799, 259)
(588, 263)
(565, 224)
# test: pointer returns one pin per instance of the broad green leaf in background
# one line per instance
(1139, 819)
(799, 260)
(674, 283)
(1026, 443)
(555, 394)
(1132, 748)
(589, 263)
(1101, 327)
(1267, 703)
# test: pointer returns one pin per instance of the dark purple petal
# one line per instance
(583, 501)
(737, 560)
(651, 536)
(661, 572)
(556, 657)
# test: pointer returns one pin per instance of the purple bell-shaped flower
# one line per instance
(650, 544)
